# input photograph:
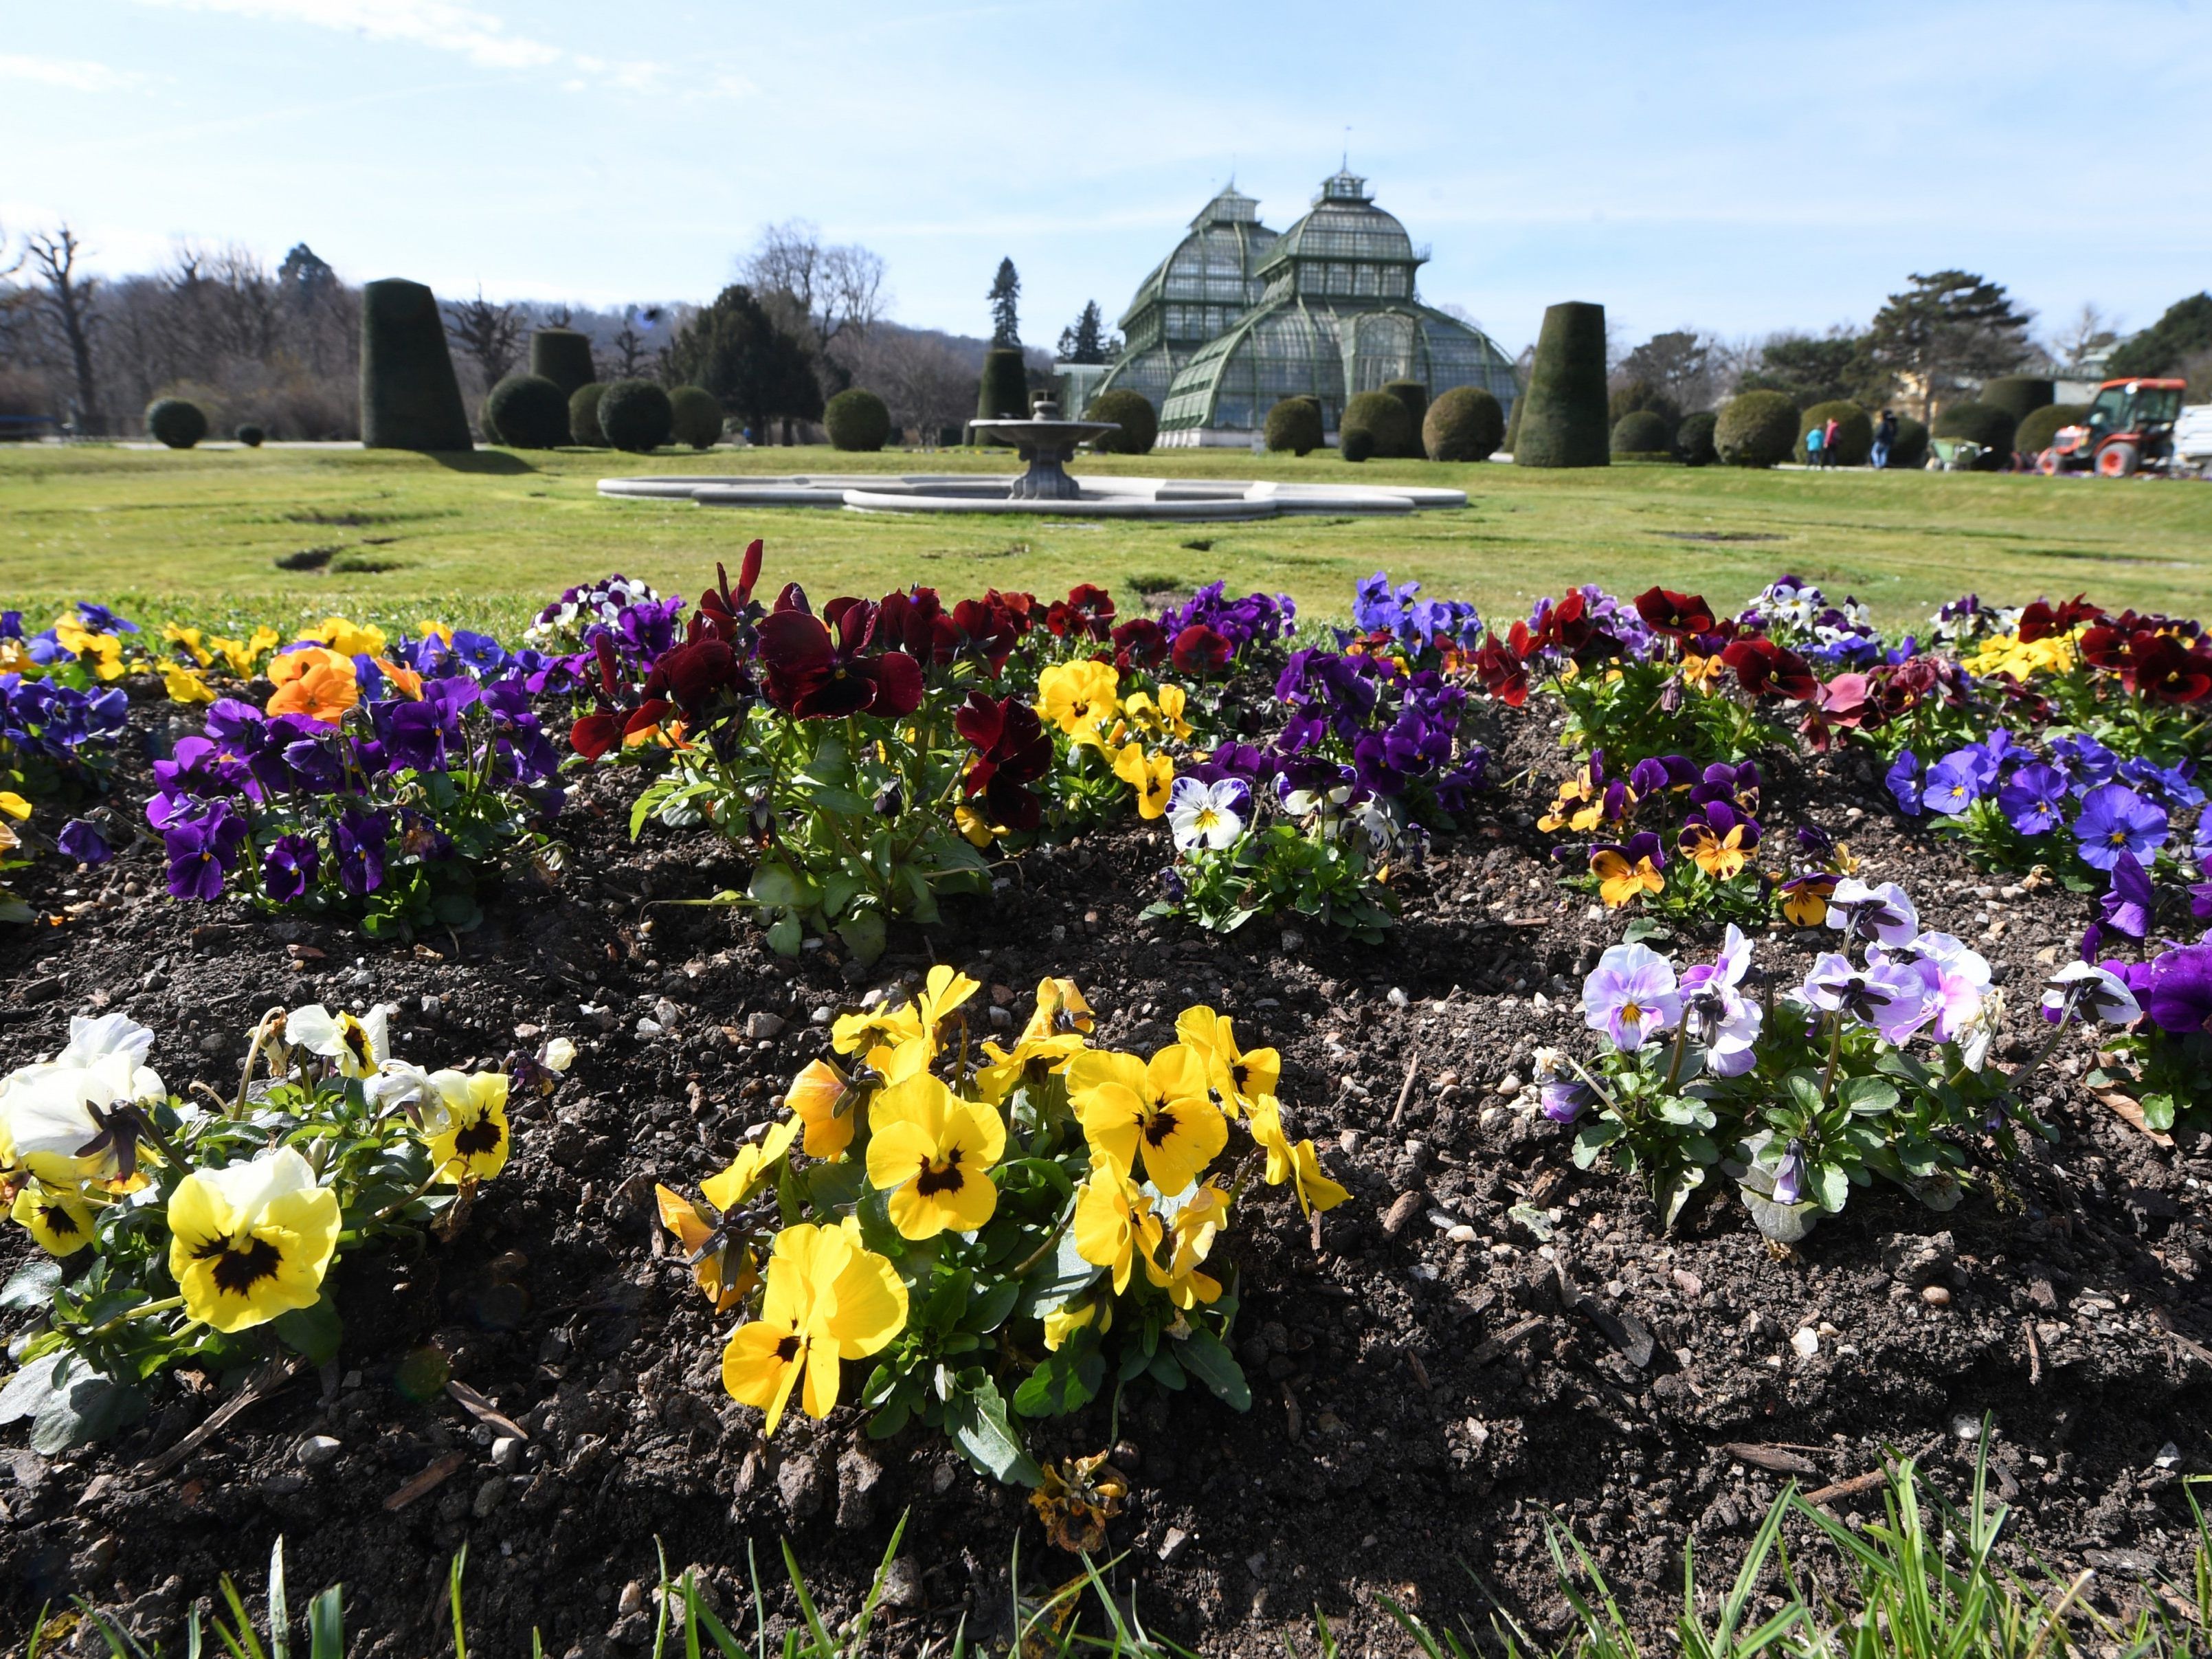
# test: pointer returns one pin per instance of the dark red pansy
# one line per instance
(1201, 650)
(1677, 616)
(594, 734)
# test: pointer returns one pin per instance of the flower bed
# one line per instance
(1498, 1315)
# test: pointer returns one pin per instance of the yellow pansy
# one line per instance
(933, 1152)
(59, 1217)
(1619, 881)
(471, 1141)
(244, 656)
(101, 653)
(13, 804)
(189, 640)
(827, 1301)
(1155, 1112)
(1160, 716)
(252, 1242)
(737, 1181)
(348, 639)
(1299, 1164)
(1151, 776)
(1030, 1060)
(942, 995)
(1063, 1322)
(821, 1100)
(1114, 1226)
(1721, 857)
(432, 630)
(1189, 1238)
(185, 684)
(726, 1274)
(1078, 697)
(1060, 1009)
(1238, 1077)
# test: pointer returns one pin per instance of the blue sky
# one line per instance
(1738, 167)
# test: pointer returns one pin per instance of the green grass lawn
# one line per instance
(197, 535)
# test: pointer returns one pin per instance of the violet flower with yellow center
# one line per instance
(1155, 1113)
(827, 1301)
(933, 1152)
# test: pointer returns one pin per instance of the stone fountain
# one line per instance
(1048, 443)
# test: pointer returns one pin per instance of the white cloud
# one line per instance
(476, 35)
(75, 74)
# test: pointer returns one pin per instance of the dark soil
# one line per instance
(1430, 1381)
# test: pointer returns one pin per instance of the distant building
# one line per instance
(1238, 318)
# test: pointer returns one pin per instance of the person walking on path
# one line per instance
(1828, 441)
(1815, 437)
(1884, 436)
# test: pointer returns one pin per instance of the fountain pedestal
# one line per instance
(1047, 443)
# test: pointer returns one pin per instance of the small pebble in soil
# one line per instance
(317, 1450)
(1966, 1428)
(1805, 1340)
(1935, 1296)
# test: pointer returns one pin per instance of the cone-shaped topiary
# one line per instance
(526, 411)
(695, 418)
(1693, 439)
(1415, 397)
(2019, 395)
(1356, 443)
(1464, 424)
(1563, 417)
(1854, 430)
(1910, 446)
(635, 415)
(250, 436)
(563, 357)
(1640, 432)
(857, 419)
(1382, 418)
(1982, 423)
(1004, 392)
(2041, 426)
(1295, 424)
(1139, 422)
(584, 416)
(409, 399)
(1757, 428)
(175, 423)
(1513, 423)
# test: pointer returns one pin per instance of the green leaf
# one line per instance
(1204, 1354)
(785, 936)
(1867, 1095)
(2158, 1110)
(1052, 1283)
(1832, 1188)
(948, 1298)
(976, 1421)
(863, 934)
(644, 806)
(776, 886)
(1067, 1380)
(32, 1285)
(832, 764)
(988, 1311)
(1167, 1371)
(1805, 1089)
(315, 1331)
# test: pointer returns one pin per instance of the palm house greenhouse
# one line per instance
(1238, 318)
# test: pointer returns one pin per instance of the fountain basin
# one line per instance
(1179, 500)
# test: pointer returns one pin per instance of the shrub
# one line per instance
(1004, 391)
(1464, 424)
(409, 399)
(635, 415)
(584, 416)
(1758, 428)
(857, 419)
(250, 436)
(175, 423)
(1295, 424)
(1356, 444)
(2041, 426)
(1854, 430)
(1640, 432)
(1642, 395)
(1693, 439)
(1911, 448)
(1382, 418)
(562, 356)
(2019, 395)
(1513, 423)
(1982, 423)
(1563, 422)
(695, 417)
(526, 411)
(1415, 397)
(1139, 422)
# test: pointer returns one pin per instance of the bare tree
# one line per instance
(2090, 334)
(835, 290)
(68, 299)
(924, 380)
(632, 348)
(490, 334)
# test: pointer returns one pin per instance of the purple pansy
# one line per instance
(1630, 995)
(2033, 798)
(2114, 819)
(2129, 905)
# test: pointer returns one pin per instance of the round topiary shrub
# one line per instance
(2041, 426)
(174, 422)
(526, 411)
(1854, 430)
(563, 357)
(584, 415)
(1140, 421)
(1562, 417)
(1464, 424)
(1640, 432)
(1911, 448)
(1758, 428)
(857, 419)
(1295, 424)
(250, 436)
(1415, 397)
(1356, 443)
(1382, 418)
(696, 417)
(1982, 423)
(2019, 395)
(635, 415)
(1693, 439)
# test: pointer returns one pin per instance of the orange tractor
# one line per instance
(2130, 427)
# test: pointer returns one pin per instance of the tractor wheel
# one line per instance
(2117, 460)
